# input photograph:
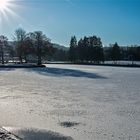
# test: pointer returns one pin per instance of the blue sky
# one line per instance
(112, 20)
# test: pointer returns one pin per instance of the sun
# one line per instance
(4, 5)
(8, 9)
(9, 12)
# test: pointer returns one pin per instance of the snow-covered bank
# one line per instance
(135, 64)
(25, 65)
(104, 102)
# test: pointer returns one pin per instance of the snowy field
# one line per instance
(83, 102)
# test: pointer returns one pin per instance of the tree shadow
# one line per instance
(7, 69)
(60, 72)
(35, 134)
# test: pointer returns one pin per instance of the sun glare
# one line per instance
(4, 5)
(8, 11)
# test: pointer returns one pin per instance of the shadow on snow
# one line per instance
(59, 72)
(7, 69)
(42, 135)
(36, 134)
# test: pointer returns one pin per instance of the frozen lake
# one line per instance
(83, 102)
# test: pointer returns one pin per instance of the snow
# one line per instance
(123, 62)
(104, 102)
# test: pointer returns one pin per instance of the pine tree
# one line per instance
(72, 51)
(115, 53)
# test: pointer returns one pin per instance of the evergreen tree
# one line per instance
(72, 51)
(115, 53)
(81, 51)
(96, 49)
(86, 44)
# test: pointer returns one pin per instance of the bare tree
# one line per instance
(3, 42)
(19, 38)
(39, 40)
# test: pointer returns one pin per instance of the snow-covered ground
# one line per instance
(123, 62)
(103, 102)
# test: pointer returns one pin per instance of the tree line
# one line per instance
(90, 50)
(35, 47)
(87, 49)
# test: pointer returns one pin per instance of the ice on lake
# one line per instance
(93, 102)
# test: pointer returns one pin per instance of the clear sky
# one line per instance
(112, 20)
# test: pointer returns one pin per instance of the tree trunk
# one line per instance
(39, 55)
(20, 59)
(2, 55)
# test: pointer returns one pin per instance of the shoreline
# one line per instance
(67, 63)
(22, 66)
(92, 64)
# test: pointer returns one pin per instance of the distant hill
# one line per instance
(61, 47)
